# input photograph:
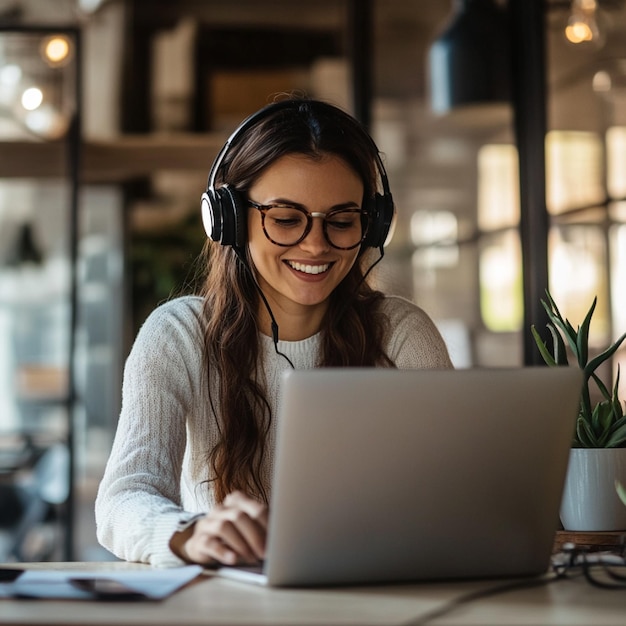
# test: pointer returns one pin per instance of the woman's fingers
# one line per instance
(233, 532)
(255, 509)
(237, 531)
(216, 550)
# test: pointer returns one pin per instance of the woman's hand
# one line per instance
(233, 532)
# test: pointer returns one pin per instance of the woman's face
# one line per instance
(298, 280)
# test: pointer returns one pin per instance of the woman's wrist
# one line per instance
(178, 541)
(181, 535)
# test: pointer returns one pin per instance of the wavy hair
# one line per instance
(353, 327)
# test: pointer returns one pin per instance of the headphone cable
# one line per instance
(273, 323)
(373, 265)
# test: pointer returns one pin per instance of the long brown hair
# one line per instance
(353, 327)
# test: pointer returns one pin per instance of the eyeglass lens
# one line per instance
(288, 225)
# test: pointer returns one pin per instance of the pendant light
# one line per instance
(470, 61)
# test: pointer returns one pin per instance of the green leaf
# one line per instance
(621, 491)
(557, 319)
(619, 422)
(618, 411)
(601, 420)
(585, 402)
(606, 417)
(554, 309)
(582, 341)
(618, 438)
(617, 431)
(601, 358)
(595, 417)
(560, 353)
(568, 331)
(545, 353)
(601, 386)
(585, 435)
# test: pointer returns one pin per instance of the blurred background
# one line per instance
(502, 126)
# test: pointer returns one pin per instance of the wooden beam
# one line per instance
(111, 161)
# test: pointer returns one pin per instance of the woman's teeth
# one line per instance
(309, 269)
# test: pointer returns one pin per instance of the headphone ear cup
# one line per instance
(229, 206)
(239, 215)
(381, 209)
(211, 215)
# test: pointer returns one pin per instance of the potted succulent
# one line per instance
(598, 456)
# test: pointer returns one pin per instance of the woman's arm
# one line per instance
(413, 339)
(138, 507)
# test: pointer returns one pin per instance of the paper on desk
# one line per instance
(154, 583)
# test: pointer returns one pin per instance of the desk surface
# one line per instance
(210, 601)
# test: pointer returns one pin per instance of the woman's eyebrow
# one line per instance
(335, 207)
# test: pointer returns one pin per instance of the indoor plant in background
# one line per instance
(598, 457)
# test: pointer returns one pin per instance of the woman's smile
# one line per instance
(309, 268)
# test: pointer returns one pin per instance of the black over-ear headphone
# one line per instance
(224, 212)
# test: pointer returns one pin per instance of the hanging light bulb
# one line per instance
(582, 26)
(56, 50)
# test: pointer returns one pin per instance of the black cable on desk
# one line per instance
(603, 570)
(472, 596)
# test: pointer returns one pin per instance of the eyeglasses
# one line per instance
(604, 570)
(287, 225)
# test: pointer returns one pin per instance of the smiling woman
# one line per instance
(298, 279)
(293, 215)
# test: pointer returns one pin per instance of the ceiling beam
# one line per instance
(118, 160)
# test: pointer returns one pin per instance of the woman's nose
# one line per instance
(316, 239)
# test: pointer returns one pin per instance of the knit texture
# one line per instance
(156, 476)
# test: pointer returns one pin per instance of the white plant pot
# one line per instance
(590, 502)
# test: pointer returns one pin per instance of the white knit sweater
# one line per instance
(157, 471)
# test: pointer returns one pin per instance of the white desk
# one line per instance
(210, 601)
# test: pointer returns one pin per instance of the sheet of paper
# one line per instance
(155, 584)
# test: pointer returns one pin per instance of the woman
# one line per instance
(293, 217)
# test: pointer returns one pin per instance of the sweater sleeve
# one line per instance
(414, 340)
(138, 506)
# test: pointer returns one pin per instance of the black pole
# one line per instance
(360, 54)
(529, 109)
(73, 164)
(74, 155)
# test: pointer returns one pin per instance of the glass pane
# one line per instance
(578, 273)
(617, 212)
(38, 202)
(501, 293)
(616, 161)
(498, 186)
(34, 305)
(574, 170)
(37, 79)
(617, 243)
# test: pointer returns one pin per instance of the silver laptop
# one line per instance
(387, 475)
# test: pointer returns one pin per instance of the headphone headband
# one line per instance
(247, 123)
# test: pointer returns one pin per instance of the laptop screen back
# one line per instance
(390, 475)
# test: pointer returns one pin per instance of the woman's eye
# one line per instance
(286, 217)
(287, 222)
(343, 224)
